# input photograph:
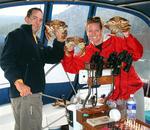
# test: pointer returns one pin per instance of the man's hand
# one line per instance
(22, 88)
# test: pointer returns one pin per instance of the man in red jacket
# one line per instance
(126, 83)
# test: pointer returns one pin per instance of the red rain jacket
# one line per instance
(126, 83)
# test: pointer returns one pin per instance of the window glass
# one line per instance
(140, 30)
(75, 17)
(13, 17)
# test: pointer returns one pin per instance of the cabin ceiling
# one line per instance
(142, 6)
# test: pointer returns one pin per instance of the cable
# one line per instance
(53, 121)
(70, 82)
(66, 110)
(52, 97)
(66, 75)
(51, 69)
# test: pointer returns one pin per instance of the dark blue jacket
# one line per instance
(23, 59)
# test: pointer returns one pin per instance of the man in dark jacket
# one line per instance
(23, 60)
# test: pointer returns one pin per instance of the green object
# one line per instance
(85, 115)
(147, 116)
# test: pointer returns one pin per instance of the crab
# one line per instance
(118, 24)
(56, 25)
(75, 44)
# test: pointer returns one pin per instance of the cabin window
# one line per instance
(75, 17)
(12, 18)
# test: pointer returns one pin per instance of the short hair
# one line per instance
(95, 20)
(29, 12)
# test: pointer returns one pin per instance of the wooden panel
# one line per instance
(85, 113)
(101, 80)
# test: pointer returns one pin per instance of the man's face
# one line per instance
(35, 20)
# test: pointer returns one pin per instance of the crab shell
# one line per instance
(118, 24)
(56, 25)
(77, 44)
